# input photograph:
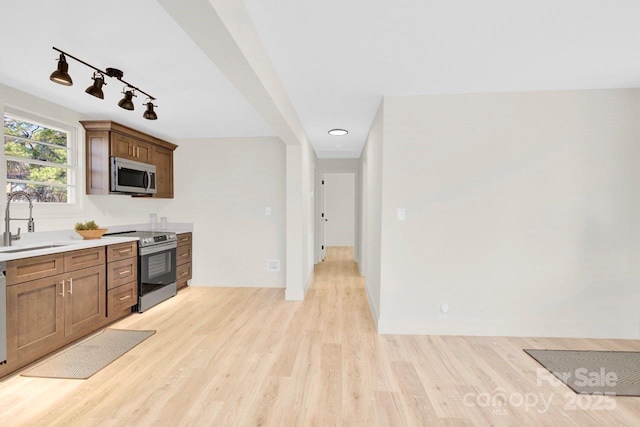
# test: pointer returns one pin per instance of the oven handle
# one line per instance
(162, 247)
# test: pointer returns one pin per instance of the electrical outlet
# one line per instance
(402, 214)
(444, 310)
(273, 265)
(267, 211)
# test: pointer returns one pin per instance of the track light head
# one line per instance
(61, 75)
(96, 88)
(150, 114)
(127, 101)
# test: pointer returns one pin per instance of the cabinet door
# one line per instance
(35, 318)
(84, 300)
(127, 147)
(163, 159)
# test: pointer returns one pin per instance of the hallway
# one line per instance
(246, 357)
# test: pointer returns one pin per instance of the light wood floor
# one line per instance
(245, 357)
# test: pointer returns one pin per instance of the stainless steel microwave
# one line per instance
(130, 177)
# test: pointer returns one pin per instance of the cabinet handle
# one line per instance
(124, 251)
(137, 152)
(62, 293)
(70, 286)
(124, 272)
(124, 298)
(184, 274)
(184, 255)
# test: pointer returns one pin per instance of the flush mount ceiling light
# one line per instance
(338, 132)
(61, 76)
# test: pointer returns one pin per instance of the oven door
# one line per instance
(157, 267)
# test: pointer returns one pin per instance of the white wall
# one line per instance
(371, 202)
(338, 165)
(222, 186)
(308, 215)
(340, 208)
(522, 214)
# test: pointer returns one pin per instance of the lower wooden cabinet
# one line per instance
(121, 299)
(84, 300)
(44, 314)
(53, 300)
(184, 259)
(35, 318)
(122, 280)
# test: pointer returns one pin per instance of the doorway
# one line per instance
(338, 205)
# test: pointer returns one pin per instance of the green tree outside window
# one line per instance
(37, 160)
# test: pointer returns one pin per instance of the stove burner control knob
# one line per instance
(147, 240)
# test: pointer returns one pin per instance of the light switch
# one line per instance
(402, 214)
(267, 211)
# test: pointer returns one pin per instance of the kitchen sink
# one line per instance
(31, 248)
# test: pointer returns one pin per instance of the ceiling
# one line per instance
(335, 59)
(194, 98)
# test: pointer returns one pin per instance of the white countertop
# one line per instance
(59, 245)
(68, 240)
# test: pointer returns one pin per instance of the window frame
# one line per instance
(75, 183)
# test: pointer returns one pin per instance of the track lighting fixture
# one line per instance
(150, 114)
(96, 88)
(61, 76)
(127, 101)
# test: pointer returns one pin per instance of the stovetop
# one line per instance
(149, 238)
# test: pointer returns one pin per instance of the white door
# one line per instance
(339, 209)
(323, 219)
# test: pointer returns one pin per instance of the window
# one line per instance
(40, 160)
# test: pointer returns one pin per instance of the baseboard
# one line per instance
(248, 285)
(309, 280)
(551, 329)
(294, 294)
(372, 307)
(299, 294)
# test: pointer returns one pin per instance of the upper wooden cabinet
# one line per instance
(105, 139)
(130, 148)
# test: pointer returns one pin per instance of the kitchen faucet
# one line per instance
(7, 237)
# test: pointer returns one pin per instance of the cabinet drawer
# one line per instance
(121, 272)
(23, 270)
(183, 273)
(121, 299)
(183, 255)
(121, 251)
(83, 258)
(184, 239)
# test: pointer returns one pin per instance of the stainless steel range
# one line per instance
(156, 266)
